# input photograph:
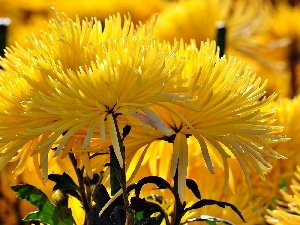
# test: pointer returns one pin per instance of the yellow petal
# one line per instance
(87, 165)
(175, 155)
(114, 139)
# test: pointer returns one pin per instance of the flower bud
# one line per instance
(59, 198)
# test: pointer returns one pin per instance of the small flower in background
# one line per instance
(30, 16)
(287, 210)
(183, 20)
(140, 10)
(283, 38)
(287, 115)
(256, 31)
(243, 21)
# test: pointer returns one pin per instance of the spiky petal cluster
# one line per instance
(68, 87)
(226, 117)
(287, 211)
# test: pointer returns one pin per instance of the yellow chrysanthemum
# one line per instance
(287, 212)
(247, 34)
(230, 117)
(287, 115)
(192, 19)
(279, 217)
(76, 79)
(284, 21)
(285, 33)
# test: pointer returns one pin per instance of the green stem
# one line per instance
(118, 174)
(221, 37)
(4, 22)
(179, 209)
(114, 171)
(83, 196)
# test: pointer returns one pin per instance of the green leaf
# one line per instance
(211, 223)
(158, 181)
(111, 215)
(144, 210)
(126, 131)
(48, 213)
(97, 178)
(63, 182)
(138, 216)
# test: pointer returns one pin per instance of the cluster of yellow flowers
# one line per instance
(216, 119)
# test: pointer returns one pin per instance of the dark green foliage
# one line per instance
(144, 211)
(48, 213)
(113, 215)
(65, 184)
(192, 185)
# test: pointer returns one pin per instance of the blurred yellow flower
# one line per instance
(284, 33)
(30, 15)
(192, 19)
(230, 118)
(248, 34)
(140, 10)
(287, 115)
(210, 186)
(72, 82)
(287, 211)
(284, 19)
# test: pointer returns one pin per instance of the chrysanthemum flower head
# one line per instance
(230, 118)
(287, 111)
(284, 21)
(199, 20)
(76, 79)
(284, 34)
(246, 25)
(287, 211)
